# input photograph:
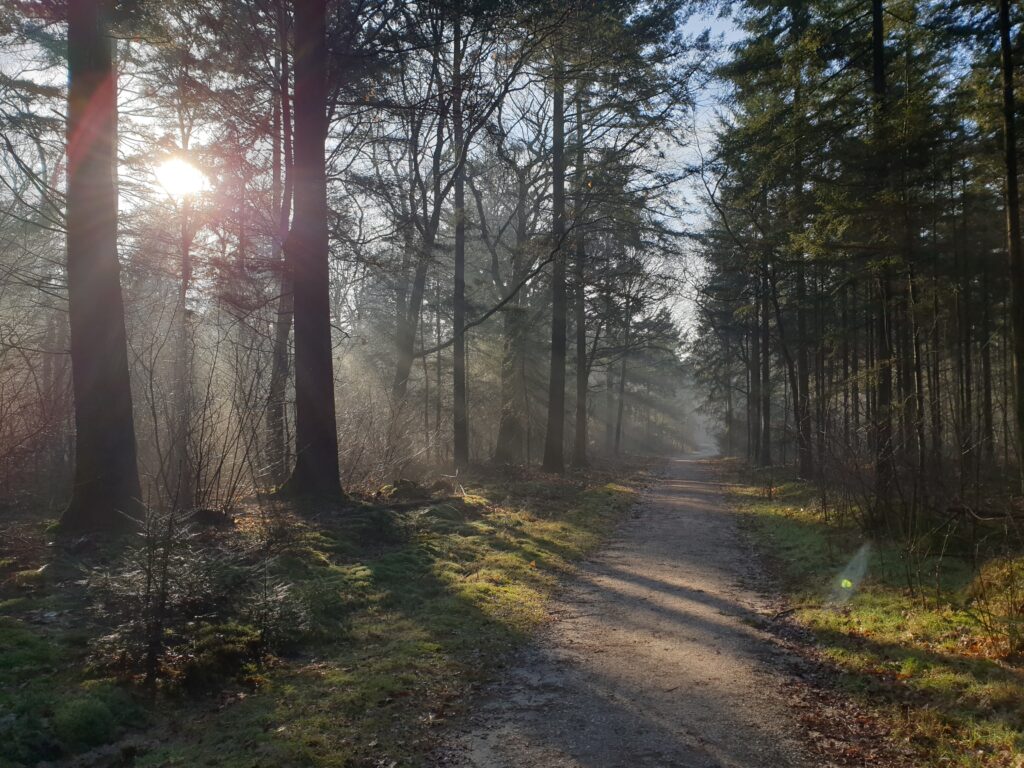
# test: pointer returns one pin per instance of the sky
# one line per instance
(707, 104)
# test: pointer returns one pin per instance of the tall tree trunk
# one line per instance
(183, 486)
(622, 379)
(1013, 237)
(884, 461)
(554, 438)
(579, 451)
(845, 354)
(277, 411)
(988, 434)
(754, 388)
(106, 494)
(855, 372)
(510, 444)
(609, 410)
(765, 457)
(316, 433)
(459, 405)
(802, 403)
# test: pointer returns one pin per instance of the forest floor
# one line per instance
(892, 629)
(408, 608)
(684, 617)
(662, 652)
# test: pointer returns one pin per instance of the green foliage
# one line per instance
(219, 652)
(997, 602)
(83, 722)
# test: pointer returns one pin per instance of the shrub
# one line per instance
(83, 722)
(997, 602)
(277, 613)
(219, 652)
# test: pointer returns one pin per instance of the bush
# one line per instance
(997, 602)
(277, 613)
(220, 652)
(83, 722)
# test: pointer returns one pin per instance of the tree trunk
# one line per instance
(316, 435)
(754, 389)
(579, 451)
(988, 436)
(884, 461)
(106, 494)
(459, 406)
(277, 411)
(802, 402)
(183, 486)
(510, 444)
(554, 438)
(765, 456)
(1013, 237)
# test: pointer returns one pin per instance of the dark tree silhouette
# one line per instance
(316, 436)
(106, 490)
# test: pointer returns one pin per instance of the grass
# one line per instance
(908, 647)
(409, 611)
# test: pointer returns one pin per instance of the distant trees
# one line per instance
(854, 191)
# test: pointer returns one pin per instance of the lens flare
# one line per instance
(852, 575)
(180, 178)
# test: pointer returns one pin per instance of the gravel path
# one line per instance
(654, 657)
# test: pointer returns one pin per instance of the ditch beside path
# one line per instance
(654, 657)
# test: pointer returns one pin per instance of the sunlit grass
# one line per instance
(916, 656)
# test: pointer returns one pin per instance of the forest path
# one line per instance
(654, 657)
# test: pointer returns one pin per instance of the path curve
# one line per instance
(654, 658)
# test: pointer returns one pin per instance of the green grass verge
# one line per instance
(915, 655)
(410, 609)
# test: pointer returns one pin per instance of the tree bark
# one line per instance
(277, 411)
(579, 451)
(765, 456)
(459, 406)
(554, 439)
(802, 401)
(107, 496)
(316, 435)
(1013, 237)
(884, 460)
(754, 387)
(622, 380)
(510, 444)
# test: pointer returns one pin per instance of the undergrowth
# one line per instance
(914, 649)
(404, 611)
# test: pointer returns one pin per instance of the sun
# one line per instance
(179, 178)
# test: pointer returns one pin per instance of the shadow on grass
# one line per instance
(432, 598)
(891, 644)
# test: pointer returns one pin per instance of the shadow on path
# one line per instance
(654, 657)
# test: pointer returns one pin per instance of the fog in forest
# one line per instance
(494, 384)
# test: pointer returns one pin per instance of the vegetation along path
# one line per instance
(654, 658)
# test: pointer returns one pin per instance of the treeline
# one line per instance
(859, 313)
(319, 244)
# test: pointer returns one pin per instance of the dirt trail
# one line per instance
(653, 659)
